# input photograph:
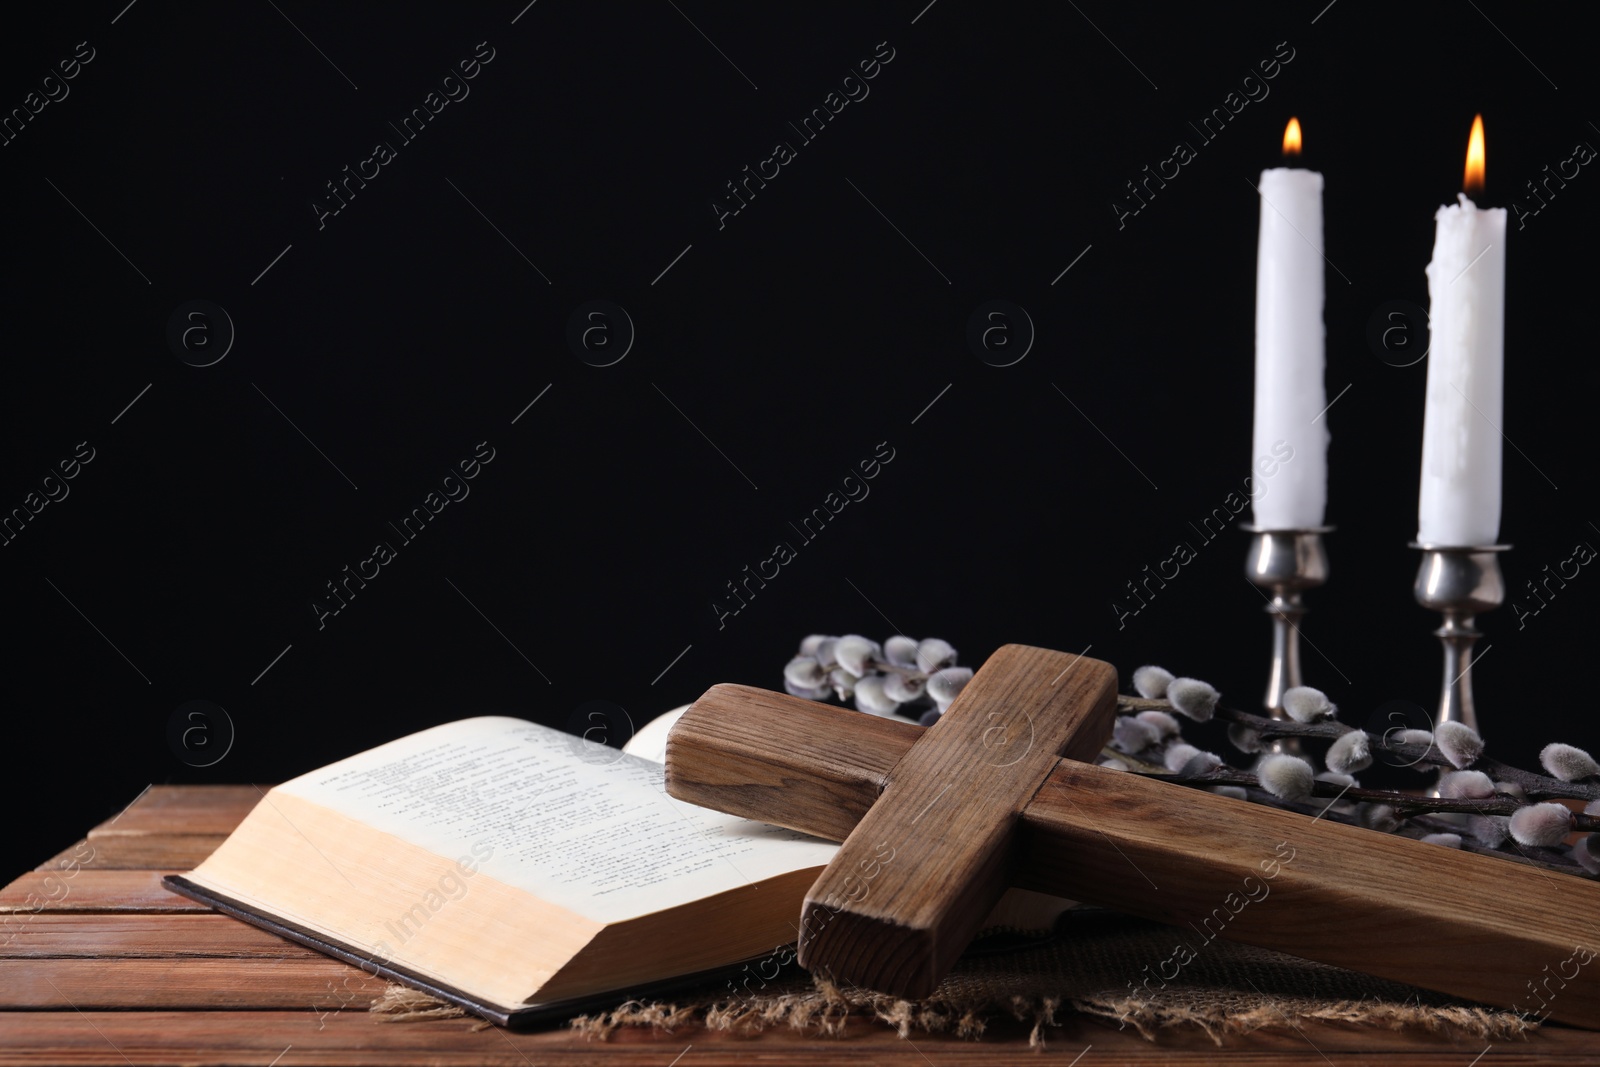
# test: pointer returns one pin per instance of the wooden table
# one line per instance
(100, 965)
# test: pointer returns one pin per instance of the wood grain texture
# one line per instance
(199, 809)
(174, 853)
(1460, 923)
(904, 896)
(745, 750)
(317, 984)
(91, 890)
(122, 936)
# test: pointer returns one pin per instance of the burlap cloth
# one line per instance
(1094, 963)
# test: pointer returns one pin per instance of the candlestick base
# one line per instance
(1459, 582)
(1283, 564)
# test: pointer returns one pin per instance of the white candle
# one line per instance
(1290, 464)
(1460, 499)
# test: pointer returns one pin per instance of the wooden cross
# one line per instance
(936, 823)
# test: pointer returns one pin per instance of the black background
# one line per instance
(796, 337)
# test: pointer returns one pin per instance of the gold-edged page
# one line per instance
(394, 902)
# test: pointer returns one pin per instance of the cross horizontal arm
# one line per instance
(783, 759)
(1468, 925)
(1456, 922)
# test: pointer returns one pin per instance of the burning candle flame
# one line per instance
(1473, 182)
(1291, 139)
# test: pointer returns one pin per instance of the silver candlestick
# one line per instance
(1283, 564)
(1459, 582)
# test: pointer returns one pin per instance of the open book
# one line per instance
(516, 870)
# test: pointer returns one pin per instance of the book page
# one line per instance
(583, 826)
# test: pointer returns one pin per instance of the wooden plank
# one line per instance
(1469, 925)
(301, 1035)
(171, 853)
(188, 809)
(316, 985)
(287, 1039)
(900, 901)
(92, 890)
(124, 936)
(802, 762)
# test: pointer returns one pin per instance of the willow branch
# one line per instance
(1547, 858)
(1537, 786)
(1134, 763)
(1404, 804)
